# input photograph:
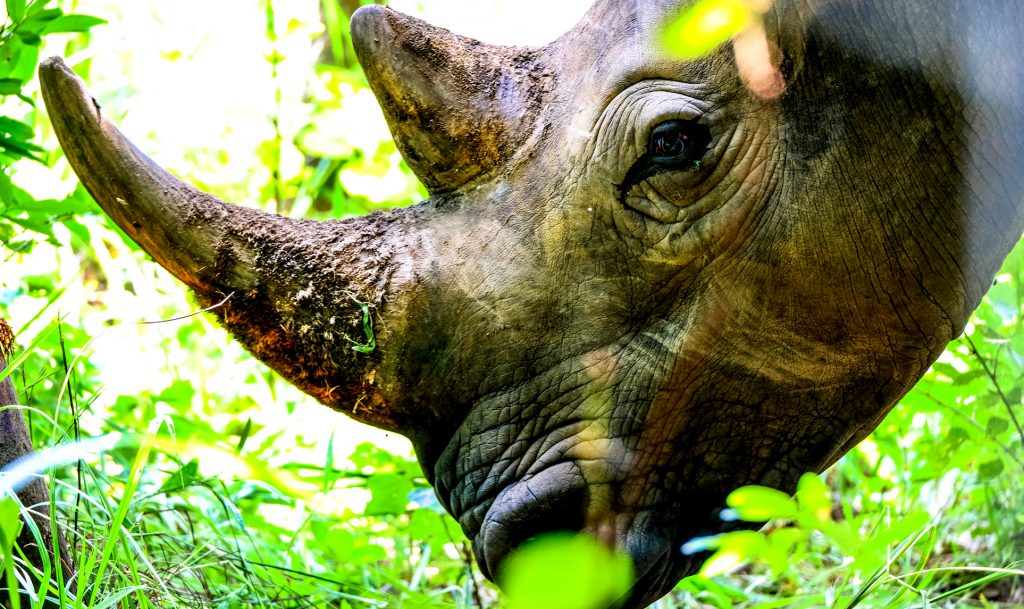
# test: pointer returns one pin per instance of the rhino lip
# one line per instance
(512, 522)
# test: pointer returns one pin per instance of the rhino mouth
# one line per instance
(658, 562)
(553, 500)
(558, 499)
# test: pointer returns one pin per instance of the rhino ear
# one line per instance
(457, 107)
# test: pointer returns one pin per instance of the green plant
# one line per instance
(25, 26)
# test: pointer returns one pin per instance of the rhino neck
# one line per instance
(903, 131)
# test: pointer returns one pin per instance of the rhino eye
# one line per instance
(674, 145)
(677, 143)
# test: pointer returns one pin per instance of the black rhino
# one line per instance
(639, 281)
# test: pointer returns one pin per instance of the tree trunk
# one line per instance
(16, 442)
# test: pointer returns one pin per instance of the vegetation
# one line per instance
(196, 478)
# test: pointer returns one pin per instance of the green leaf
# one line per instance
(185, 477)
(16, 10)
(991, 469)
(18, 60)
(16, 129)
(18, 148)
(759, 503)
(390, 494)
(734, 549)
(10, 86)
(30, 38)
(72, 23)
(10, 523)
(996, 426)
(38, 12)
(77, 203)
(815, 499)
(179, 395)
(244, 436)
(705, 25)
(561, 571)
(21, 357)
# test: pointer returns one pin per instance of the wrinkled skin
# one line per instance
(578, 335)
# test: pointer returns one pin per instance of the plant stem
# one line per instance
(992, 377)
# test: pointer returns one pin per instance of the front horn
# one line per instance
(457, 108)
(299, 294)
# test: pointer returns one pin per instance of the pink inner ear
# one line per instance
(754, 60)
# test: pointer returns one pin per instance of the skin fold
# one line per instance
(639, 282)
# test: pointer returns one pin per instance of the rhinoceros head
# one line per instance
(639, 281)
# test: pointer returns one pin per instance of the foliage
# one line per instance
(563, 571)
(197, 478)
(705, 25)
(21, 34)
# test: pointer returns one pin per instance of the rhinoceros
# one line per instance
(639, 281)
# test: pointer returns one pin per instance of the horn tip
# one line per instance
(62, 89)
(366, 23)
(52, 70)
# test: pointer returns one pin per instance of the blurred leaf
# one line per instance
(20, 148)
(991, 469)
(996, 426)
(38, 16)
(72, 23)
(704, 26)
(179, 395)
(734, 549)
(16, 129)
(428, 526)
(390, 494)
(10, 523)
(562, 571)
(18, 60)
(10, 86)
(815, 499)
(185, 477)
(16, 10)
(244, 436)
(760, 503)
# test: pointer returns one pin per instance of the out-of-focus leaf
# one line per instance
(72, 23)
(185, 477)
(30, 38)
(705, 25)
(20, 149)
(10, 86)
(759, 503)
(991, 469)
(561, 571)
(734, 549)
(16, 129)
(244, 436)
(815, 499)
(390, 494)
(179, 395)
(10, 523)
(18, 60)
(996, 426)
(16, 10)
